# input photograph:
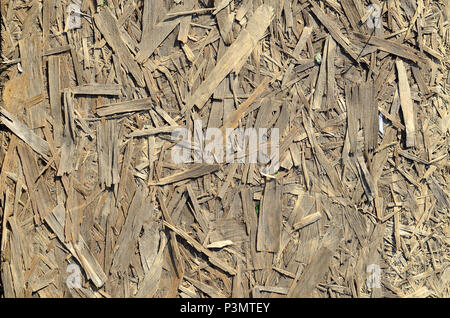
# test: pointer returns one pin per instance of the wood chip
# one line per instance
(338, 190)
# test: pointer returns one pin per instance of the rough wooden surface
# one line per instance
(89, 186)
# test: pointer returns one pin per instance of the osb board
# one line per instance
(88, 186)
